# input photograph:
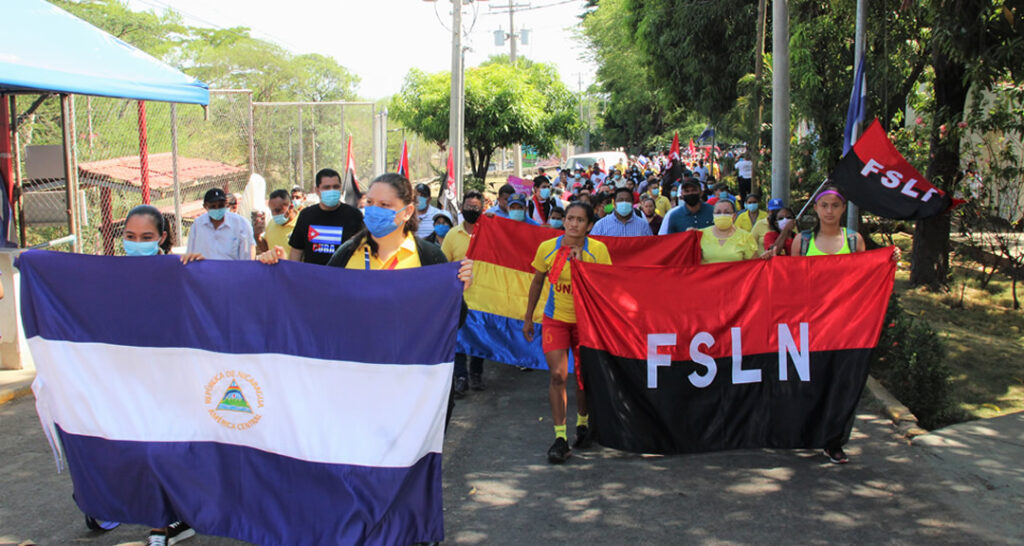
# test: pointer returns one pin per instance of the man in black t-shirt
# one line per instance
(321, 229)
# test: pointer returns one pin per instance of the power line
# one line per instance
(504, 10)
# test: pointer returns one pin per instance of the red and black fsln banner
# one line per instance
(762, 353)
(879, 180)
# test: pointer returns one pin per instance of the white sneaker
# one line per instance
(156, 540)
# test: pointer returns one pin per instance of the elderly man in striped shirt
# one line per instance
(624, 222)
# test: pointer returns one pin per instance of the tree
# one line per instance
(505, 104)
(636, 110)
(975, 43)
(155, 34)
(697, 50)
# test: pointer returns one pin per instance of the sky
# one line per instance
(380, 40)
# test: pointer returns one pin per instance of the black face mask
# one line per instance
(691, 199)
(471, 215)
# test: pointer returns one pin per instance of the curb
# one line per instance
(904, 420)
(15, 384)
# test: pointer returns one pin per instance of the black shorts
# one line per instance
(744, 186)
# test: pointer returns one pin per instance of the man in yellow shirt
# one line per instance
(662, 204)
(454, 247)
(279, 229)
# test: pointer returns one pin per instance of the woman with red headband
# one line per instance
(828, 237)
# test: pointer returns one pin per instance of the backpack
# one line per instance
(805, 241)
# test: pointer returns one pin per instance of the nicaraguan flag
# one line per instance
(312, 419)
(855, 112)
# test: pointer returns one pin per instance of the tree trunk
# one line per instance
(480, 159)
(930, 254)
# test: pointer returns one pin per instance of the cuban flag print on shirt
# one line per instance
(317, 422)
(325, 239)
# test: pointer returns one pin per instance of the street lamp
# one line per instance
(457, 103)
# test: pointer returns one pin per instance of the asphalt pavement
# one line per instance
(954, 486)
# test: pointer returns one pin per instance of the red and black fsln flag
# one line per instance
(879, 180)
(758, 354)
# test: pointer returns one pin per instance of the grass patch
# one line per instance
(982, 334)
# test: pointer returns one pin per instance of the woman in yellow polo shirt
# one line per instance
(388, 240)
(551, 262)
(723, 241)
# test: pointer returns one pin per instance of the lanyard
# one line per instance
(366, 255)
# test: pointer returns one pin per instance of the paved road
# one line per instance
(500, 490)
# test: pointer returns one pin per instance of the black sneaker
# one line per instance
(476, 382)
(179, 531)
(836, 455)
(461, 386)
(559, 451)
(584, 438)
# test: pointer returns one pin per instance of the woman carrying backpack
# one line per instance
(827, 237)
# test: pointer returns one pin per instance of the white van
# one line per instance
(586, 160)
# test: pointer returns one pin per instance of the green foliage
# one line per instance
(636, 110)
(697, 50)
(910, 361)
(221, 58)
(504, 105)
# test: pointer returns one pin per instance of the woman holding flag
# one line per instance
(559, 324)
(388, 240)
(146, 233)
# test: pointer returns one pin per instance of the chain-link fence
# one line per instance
(295, 140)
(113, 174)
(286, 143)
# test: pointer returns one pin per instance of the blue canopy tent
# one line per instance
(47, 50)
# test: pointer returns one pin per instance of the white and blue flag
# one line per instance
(315, 418)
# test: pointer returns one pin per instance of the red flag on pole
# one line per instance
(692, 149)
(673, 153)
(351, 193)
(403, 161)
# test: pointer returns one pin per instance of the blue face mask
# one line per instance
(217, 214)
(517, 215)
(675, 193)
(280, 219)
(545, 193)
(142, 248)
(556, 223)
(655, 191)
(421, 203)
(379, 221)
(441, 229)
(330, 198)
(751, 207)
(623, 208)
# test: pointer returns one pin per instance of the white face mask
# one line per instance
(783, 222)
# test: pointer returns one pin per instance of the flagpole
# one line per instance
(811, 200)
(852, 211)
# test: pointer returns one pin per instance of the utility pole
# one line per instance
(852, 211)
(755, 136)
(517, 166)
(780, 100)
(455, 120)
(586, 128)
